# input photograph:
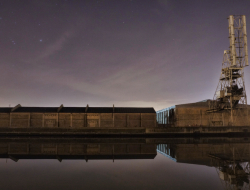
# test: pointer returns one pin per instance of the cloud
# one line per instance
(139, 79)
(132, 79)
(56, 46)
(48, 50)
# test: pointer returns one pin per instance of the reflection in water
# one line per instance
(165, 150)
(230, 156)
(86, 149)
(230, 160)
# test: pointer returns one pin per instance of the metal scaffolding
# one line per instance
(230, 95)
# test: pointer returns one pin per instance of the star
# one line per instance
(41, 40)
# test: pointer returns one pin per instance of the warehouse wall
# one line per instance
(5, 119)
(193, 115)
(199, 117)
(78, 120)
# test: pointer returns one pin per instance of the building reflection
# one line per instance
(231, 160)
(230, 156)
(86, 149)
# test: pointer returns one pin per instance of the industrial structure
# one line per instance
(77, 117)
(229, 105)
(230, 95)
(184, 115)
(196, 115)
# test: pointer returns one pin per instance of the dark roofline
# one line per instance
(196, 104)
(87, 109)
(5, 109)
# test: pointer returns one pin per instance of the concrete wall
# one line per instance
(185, 117)
(78, 120)
(191, 115)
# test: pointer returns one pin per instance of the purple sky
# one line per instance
(153, 53)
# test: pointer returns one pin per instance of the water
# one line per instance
(183, 163)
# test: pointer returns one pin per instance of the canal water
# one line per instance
(171, 163)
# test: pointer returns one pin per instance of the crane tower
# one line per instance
(230, 95)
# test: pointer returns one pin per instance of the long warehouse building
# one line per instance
(77, 117)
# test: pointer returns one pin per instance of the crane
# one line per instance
(230, 95)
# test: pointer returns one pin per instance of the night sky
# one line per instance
(153, 53)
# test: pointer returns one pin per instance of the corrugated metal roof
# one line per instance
(73, 110)
(120, 110)
(81, 109)
(100, 110)
(36, 109)
(134, 110)
(166, 109)
(5, 110)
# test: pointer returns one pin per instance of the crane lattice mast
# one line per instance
(230, 94)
